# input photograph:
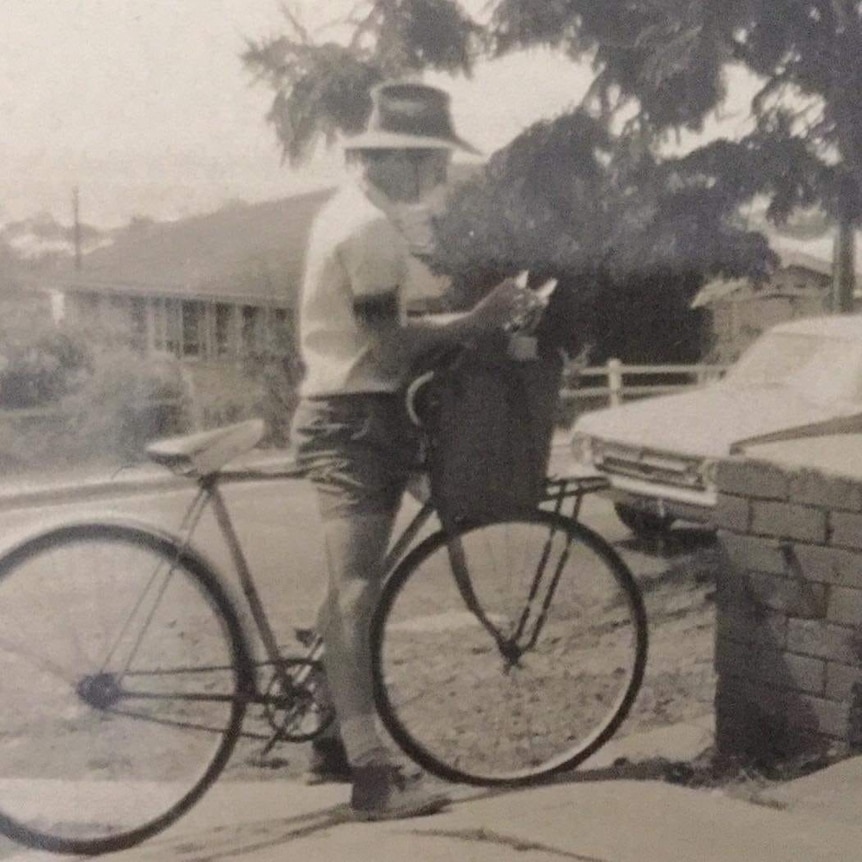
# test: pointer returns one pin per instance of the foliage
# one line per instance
(671, 58)
(124, 401)
(322, 88)
(668, 60)
(593, 196)
(39, 362)
(620, 230)
(265, 386)
(77, 394)
(276, 367)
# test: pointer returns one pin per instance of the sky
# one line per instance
(145, 106)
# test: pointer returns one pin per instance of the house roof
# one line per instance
(244, 252)
(720, 289)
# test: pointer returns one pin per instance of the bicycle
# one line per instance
(503, 653)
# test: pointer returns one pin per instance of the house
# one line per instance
(740, 310)
(205, 289)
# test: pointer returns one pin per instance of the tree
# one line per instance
(668, 56)
(670, 59)
(616, 208)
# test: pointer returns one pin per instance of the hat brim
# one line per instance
(394, 141)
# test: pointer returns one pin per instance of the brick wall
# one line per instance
(789, 610)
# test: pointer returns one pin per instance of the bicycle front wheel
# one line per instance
(123, 682)
(506, 652)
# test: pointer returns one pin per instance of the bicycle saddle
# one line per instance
(206, 452)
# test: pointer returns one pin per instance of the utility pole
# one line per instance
(844, 267)
(77, 227)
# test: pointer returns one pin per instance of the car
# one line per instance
(660, 455)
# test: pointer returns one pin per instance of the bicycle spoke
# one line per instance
(125, 699)
(470, 702)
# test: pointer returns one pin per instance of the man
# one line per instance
(351, 428)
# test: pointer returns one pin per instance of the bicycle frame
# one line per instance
(209, 494)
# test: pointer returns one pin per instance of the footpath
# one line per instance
(601, 813)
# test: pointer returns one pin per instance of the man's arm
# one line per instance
(399, 342)
(374, 261)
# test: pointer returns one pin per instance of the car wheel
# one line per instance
(641, 523)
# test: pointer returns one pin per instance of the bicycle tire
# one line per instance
(447, 684)
(100, 748)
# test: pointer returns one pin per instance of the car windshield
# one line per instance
(819, 368)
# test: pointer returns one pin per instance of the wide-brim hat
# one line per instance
(409, 116)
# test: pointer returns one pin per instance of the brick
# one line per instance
(749, 478)
(792, 596)
(789, 521)
(845, 606)
(731, 589)
(732, 513)
(745, 626)
(786, 670)
(779, 711)
(829, 565)
(780, 669)
(846, 529)
(752, 553)
(831, 492)
(754, 720)
(841, 680)
(831, 718)
(824, 640)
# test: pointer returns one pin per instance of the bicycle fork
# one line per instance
(534, 612)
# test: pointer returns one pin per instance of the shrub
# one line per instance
(125, 401)
(39, 362)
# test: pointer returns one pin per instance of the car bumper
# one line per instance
(665, 501)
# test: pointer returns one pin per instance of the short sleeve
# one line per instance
(375, 259)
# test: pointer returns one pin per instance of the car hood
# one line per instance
(708, 422)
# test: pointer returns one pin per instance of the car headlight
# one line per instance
(583, 449)
(708, 471)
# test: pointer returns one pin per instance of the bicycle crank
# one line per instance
(296, 702)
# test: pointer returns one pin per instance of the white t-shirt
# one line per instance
(355, 252)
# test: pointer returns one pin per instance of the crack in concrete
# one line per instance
(511, 841)
(252, 837)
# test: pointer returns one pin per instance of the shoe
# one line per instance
(388, 791)
(328, 762)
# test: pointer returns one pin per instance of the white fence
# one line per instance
(616, 382)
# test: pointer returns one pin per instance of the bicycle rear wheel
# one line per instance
(124, 677)
(506, 652)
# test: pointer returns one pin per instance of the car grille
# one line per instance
(660, 467)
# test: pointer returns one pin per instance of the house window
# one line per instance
(166, 325)
(224, 329)
(252, 321)
(138, 322)
(192, 317)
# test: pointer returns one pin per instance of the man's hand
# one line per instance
(505, 304)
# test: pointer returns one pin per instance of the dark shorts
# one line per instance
(359, 450)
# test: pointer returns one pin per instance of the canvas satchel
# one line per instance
(490, 420)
